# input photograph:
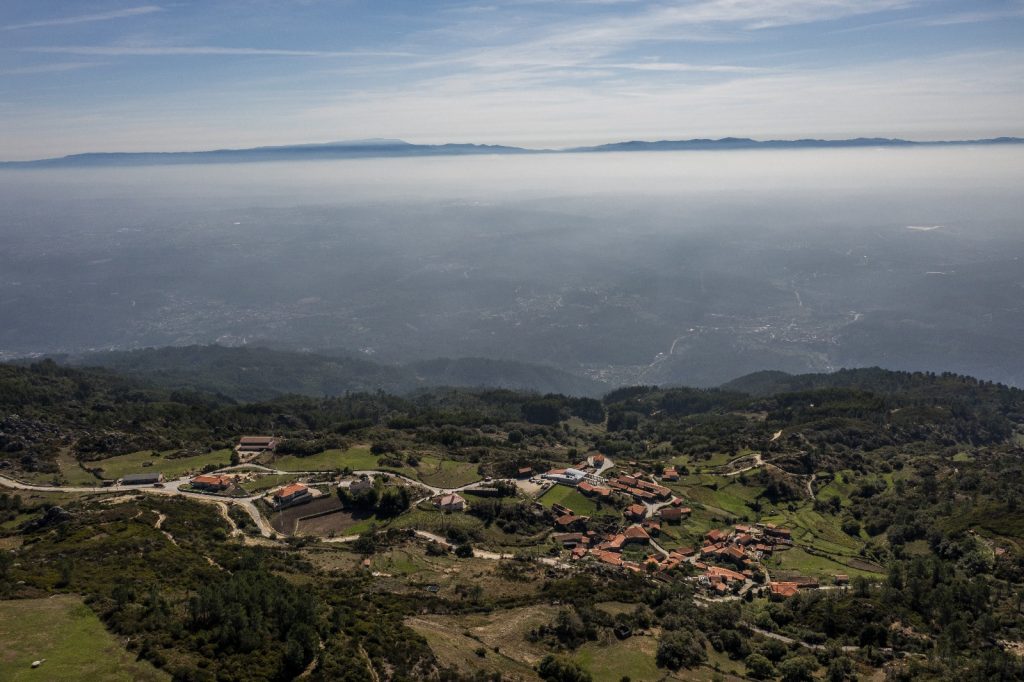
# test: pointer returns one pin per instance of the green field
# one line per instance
(431, 469)
(356, 458)
(437, 522)
(446, 473)
(117, 467)
(73, 473)
(612, 660)
(798, 562)
(569, 497)
(267, 482)
(71, 639)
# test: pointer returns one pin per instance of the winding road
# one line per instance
(248, 503)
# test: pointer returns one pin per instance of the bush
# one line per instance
(759, 667)
(798, 669)
(681, 649)
(554, 669)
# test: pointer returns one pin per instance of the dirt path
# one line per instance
(160, 518)
(369, 664)
(791, 640)
(758, 462)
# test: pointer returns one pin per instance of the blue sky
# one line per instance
(88, 75)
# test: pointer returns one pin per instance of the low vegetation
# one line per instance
(902, 488)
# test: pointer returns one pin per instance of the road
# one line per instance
(171, 488)
(248, 503)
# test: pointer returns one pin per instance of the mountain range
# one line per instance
(382, 148)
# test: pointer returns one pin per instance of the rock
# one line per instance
(52, 517)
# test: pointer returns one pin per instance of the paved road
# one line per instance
(171, 488)
(248, 502)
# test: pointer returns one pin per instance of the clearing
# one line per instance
(72, 640)
(135, 463)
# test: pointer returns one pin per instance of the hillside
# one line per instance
(895, 496)
(252, 373)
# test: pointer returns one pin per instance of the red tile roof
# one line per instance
(212, 479)
(784, 590)
(671, 513)
(636, 532)
(718, 572)
(291, 489)
(607, 557)
(636, 510)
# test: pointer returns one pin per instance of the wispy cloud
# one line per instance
(678, 67)
(87, 18)
(57, 67)
(200, 50)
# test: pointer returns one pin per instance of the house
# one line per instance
(719, 573)
(596, 490)
(524, 472)
(292, 494)
(636, 534)
(652, 527)
(659, 491)
(670, 474)
(637, 512)
(615, 544)
(567, 521)
(777, 532)
(256, 444)
(607, 557)
(213, 483)
(450, 503)
(841, 579)
(732, 553)
(571, 477)
(569, 540)
(596, 460)
(143, 479)
(671, 514)
(715, 536)
(780, 591)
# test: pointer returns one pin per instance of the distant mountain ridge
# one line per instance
(255, 373)
(384, 148)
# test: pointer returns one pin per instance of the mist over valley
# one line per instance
(657, 268)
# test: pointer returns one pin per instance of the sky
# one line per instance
(93, 75)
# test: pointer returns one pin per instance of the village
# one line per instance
(729, 563)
